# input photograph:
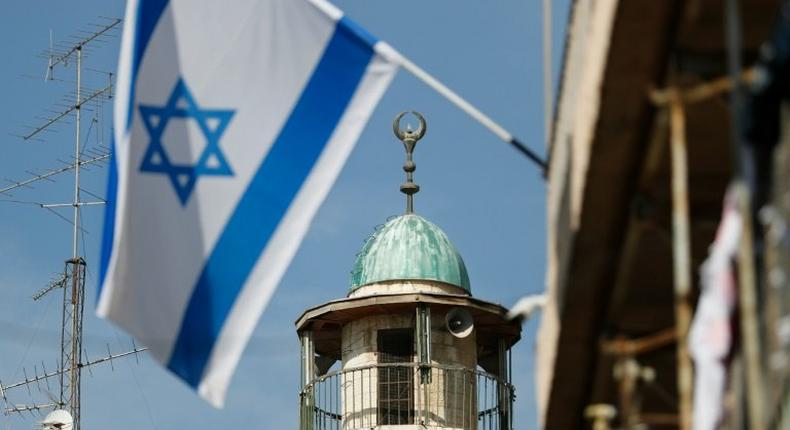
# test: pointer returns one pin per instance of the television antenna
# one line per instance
(73, 358)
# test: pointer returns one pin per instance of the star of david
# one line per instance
(212, 123)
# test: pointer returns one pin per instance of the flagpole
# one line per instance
(547, 81)
(460, 102)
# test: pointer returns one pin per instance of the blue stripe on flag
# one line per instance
(108, 234)
(267, 198)
(148, 14)
(358, 31)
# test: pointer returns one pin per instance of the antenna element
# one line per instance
(72, 281)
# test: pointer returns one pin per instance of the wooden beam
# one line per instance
(681, 244)
(700, 92)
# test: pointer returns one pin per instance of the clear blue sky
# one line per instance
(487, 197)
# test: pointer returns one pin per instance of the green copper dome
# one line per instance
(409, 247)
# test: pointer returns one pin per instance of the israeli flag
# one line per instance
(232, 121)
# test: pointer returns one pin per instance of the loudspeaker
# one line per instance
(459, 322)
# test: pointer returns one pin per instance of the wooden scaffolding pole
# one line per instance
(747, 303)
(681, 252)
(674, 99)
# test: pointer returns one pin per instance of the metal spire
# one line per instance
(409, 138)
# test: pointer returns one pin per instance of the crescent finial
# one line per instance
(409, 138)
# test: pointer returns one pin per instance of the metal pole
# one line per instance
(743, 186)
(76, 285)
(307, 376)
(547, 78)
(681, 243)
(748, 308)
(64, 397)
(77, 158)
(502, 400)
(423, 335)
(389, 52)
(73, 373)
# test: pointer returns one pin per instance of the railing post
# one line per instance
(503, 403)
(474, 400)
(510, 388)
(307, 374)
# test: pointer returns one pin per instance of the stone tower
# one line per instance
(415, 349)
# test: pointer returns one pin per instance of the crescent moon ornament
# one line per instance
(409, 134)
(409, 139)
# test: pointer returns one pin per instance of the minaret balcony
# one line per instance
(403, 396)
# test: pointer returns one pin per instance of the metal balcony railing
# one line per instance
(407, 394)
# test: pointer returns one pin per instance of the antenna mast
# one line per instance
(73, 279)
(74, 291)
(74, 294)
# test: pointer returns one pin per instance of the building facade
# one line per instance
(640, 162)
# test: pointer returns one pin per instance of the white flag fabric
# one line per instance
(232, 121)
(710, 336)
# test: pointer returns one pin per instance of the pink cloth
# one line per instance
(710, 338)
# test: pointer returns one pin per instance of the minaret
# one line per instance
(415, 349)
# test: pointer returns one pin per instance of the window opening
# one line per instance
(396, 384)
